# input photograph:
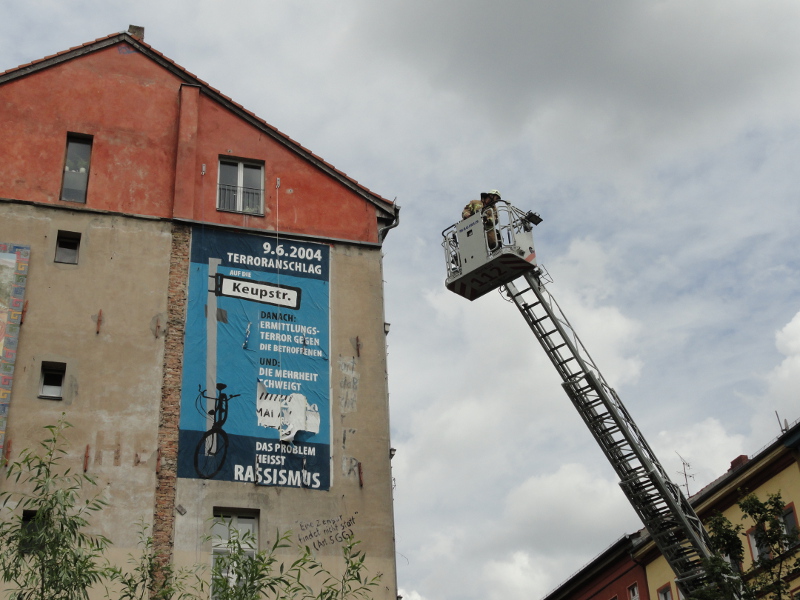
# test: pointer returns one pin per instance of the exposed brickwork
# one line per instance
(164, 515)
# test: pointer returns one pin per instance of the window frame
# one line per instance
(221, 546)
(29, 527)
(232, 518)
(756, 552)
(736, 566)
(239, 192)
(788, 510)
(633, 591)
(50, 391)
(664, 592)
(66, 237)
(79, 172)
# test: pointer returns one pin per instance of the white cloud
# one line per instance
(597, 87)
(518, 577)
(787, 340)
(541, 507)
(708, 448)
(783, 383)
(582, 289)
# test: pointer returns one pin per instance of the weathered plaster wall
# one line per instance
(113, 378)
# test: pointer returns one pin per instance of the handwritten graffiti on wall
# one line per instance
(321, 533)
(255, 404)
(348, 384)
(14, 259)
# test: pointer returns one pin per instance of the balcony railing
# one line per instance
(236, 198)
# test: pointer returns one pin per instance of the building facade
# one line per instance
(773, 470)
(202, 298)
(635, 559)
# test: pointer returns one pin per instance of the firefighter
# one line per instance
(486, 206)
(491, 197)
(472, 207)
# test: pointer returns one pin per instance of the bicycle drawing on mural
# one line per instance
(212, 449)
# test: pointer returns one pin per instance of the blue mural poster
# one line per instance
(255, 399)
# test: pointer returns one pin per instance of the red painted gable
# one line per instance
(154, 126)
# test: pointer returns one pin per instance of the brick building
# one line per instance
(202, 297)
(611, 575)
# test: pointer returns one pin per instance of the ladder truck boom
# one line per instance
(479, 261)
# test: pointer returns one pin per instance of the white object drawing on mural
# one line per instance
(286, 413)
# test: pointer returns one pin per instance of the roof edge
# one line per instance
(618, 549)
(247, 230)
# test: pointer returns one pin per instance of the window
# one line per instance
(790, 525)
(76, 168)
(52, 380)
(735, 565)
(67, 244)
(633, 592)
(241, 187)
(226, 528)
(30, 528)
(758, 549)
(665, 593)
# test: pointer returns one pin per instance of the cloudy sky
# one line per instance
(659, 139)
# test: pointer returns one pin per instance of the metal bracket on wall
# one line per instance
(86, 459)
(99, 320)
(24, 310)
(360, 475)
(358, 347)
(7, 450)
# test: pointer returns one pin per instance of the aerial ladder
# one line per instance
(495, 250)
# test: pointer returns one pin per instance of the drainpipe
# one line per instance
(395, 222)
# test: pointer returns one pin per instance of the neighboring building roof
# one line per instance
(388, 207)
(594, 570)
(748, 473)
(744, 474)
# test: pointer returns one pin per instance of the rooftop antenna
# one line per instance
(685, 473)
(784, 427)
